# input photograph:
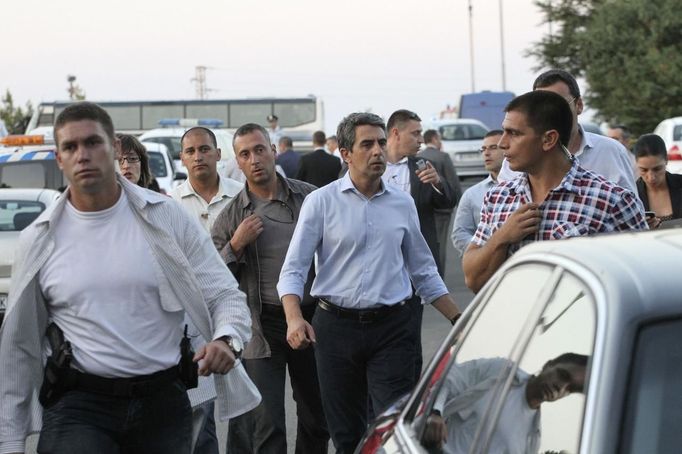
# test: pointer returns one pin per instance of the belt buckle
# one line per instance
(367, 316)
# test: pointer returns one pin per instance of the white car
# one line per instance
(670, 131)
(162, 167)
(573, 346)
(170, 137)
(18, 208)
(462, 140)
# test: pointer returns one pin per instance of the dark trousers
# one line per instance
(84, 422)
(442, 221)
(359, 363)
(263, 429)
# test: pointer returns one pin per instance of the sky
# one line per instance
(376, 55)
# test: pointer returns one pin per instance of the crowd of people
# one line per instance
(173, 309)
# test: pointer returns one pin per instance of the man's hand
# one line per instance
(522, 222)
(429, 175)
(435, 433)
(216, 358)
(300, 333)
(247, 232)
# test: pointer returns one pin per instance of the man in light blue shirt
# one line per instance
(469, 209)
(369, 248)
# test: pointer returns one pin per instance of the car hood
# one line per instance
(8, 243)
(461, 145)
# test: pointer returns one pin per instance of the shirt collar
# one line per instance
(346, 184)
(225, 188)
(568, 182)
(585, 141)
(288, 189)
(402, 161)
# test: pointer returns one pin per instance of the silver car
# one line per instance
(462, 139)
(18, 208)
(573, 346)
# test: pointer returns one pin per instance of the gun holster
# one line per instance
(189, 370)
(58, 376)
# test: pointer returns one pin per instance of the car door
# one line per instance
(476, 387)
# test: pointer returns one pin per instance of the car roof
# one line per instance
(30, 153)
(28, 194)
(455, 121)
(639, 271)
(176, 132)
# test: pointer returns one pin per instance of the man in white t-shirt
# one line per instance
(115, 268)
(464, 398)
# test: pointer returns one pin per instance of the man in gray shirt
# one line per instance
(252, 235)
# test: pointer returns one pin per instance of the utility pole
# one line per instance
(199, 80)
(76, 93)
(471, 47)
(504, 73)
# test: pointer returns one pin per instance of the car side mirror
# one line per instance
(179, 176)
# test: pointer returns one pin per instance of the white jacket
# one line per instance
(191, 277)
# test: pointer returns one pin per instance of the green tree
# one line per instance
(628, 51)
(15, 118)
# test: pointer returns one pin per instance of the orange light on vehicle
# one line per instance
(21, 140)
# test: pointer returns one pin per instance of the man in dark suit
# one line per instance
(428, 188)
(433, 152)
(287, 158)
(319, 168)
(422, 179)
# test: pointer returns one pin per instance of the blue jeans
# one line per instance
(360, 364)
(83, 422)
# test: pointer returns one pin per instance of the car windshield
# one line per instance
(157, 165)
(677, 133)
(15, 215)
(462, 132)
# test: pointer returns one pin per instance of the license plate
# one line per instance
(468, 156)
(3, 302)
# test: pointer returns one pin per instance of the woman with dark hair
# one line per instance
(134, 163)
(659, 190)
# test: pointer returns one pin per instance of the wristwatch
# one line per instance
(234, 344)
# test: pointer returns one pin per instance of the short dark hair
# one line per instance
(625, 129)
(650, 145)
(544, 111)
(400, 117)
(494, 132)
(346, 129)
(429, 135)
(553, 76)
(286, 140)
(332, 138)
(569, 358)
(84, 110)
(211, 135)
(248, 128)
(319, 138)
(130, 144)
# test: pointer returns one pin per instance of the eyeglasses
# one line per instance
(128, 159)
(570, 101)
(489, 147)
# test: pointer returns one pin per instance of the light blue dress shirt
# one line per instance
(368, 249)
(469, 214)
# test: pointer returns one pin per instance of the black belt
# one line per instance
(140, 386)
(360, 315)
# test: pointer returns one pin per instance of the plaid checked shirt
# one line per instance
(583, 204)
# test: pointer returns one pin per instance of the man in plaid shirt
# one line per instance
(554, 198)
